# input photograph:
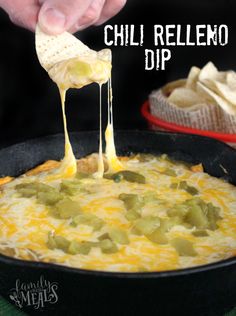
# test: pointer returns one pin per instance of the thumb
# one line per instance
(57, 16)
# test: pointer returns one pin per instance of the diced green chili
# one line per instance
(51, 243)
(24, 192)
(104, 236)
(108, 247)
(146, 225)
(196, 217)
(30, 189)
(70, 187)
(184, 247)
(58, 242)
(119, 236)
(190, 189)
(158, 236)
(49, 198)
(82, 248)
(67, 208)
(179, 210)
(169, 172)
(132, 215)
(90, 220)
(200, 233)
(127, 175)
(213, 216)
(132, 201)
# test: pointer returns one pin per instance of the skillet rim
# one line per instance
(120, 275)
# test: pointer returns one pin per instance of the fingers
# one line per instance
(57, 16)
(111, 8)
(91, 16)
(22, 12)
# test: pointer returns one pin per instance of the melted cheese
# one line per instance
(76, 73)
(100, 172)
(113, 161)
(68, 166)
(25, 223)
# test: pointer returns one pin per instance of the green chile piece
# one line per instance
(132, 201)
(104, 236)
(132, 215)
(169, 172)
(127, 175)
(146, 225)
(82, 248)
(200, 233)
(24, 192)
(119, 236)
(90, 220)
(51, 243)
(158, 236)
(33, 188)
(196, 213)
(205, 216)
(37, 186)
(49, 198)
(62, 243)
(183, 185)
(190, 189)
(58, 242)
(196, 217)
(213, 216)
(72, 247)
(67, 208)
(108, 247)
(70, 187)
(179, 210)
(184, 247)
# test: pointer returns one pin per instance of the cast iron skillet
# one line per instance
(206, 290)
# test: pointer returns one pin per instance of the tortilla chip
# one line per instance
(53, 49)
(226, 92)
(225, 105)
(192, 78)
(185, 98)
(210, 72)
(169, 87)
(231, 80)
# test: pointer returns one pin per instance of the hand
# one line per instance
(57, 16)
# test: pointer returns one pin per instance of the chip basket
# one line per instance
(155, 123)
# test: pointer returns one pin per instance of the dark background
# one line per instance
(29, 101)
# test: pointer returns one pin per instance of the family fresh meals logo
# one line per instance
(35, 294)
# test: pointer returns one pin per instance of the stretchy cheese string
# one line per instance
(100, 172)
(113, 162)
